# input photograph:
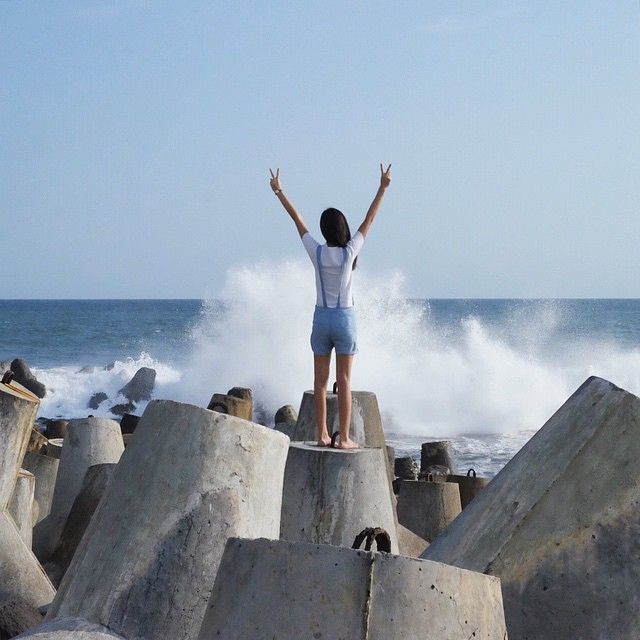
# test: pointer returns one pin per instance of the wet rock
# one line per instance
(87, 369)
(286, 415)
(140, 387)
(96, 399)
(121, 409)
(25, 377)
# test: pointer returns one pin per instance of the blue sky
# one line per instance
(136, 137)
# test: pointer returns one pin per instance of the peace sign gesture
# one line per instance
(385, 176)
(275, 180)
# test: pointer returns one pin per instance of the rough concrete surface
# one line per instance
(18, 409)
(331, 495)
(409, 544)
(560, 524)
(21, 575)
(437, 453)
(366, 423)
(45, 469)
(21, 505)
(54, 447)
(16, 617)
(190, 479)
(277, 589)
(71, 629)
(94, 485)
(427, 508)
(89, 441)
(470, 485)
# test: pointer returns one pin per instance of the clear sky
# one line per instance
(135, 141)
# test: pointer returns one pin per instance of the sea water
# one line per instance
(484, 374)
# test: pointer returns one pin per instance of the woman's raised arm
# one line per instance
(385, 181)
(290, 209)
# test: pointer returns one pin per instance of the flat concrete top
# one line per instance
(25, 474)
(353, 393)
(310, 445)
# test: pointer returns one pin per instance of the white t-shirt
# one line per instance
(331, 259)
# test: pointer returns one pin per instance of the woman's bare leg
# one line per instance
(343, 374)
(321, 366)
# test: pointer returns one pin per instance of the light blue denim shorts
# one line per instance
(334, 329)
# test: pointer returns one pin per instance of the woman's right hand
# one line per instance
(275, 180)
(385, 176)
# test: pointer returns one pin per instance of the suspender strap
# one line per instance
(344, 262)
(324, 295)
(342, 270)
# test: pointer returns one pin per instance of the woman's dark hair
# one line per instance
(335, 229)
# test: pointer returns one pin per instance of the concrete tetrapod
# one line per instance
(470, 485)
(70, 629)
(437, 453)
(427, 508)
(88, 442)
(21, 505)
(331, 495)
(366, 423)
(559, 524)
(190, 479)
(84, 506)
(18, 409)
(21, 576)
(277, 589)
(45, 469)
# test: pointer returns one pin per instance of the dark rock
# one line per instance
(121, 409)
(140, 386)
(24, 376)
(57, 428)
(286, 414)
(96, 399)
(87, 369)
(406, 468)
(129, 423)
(16, 617)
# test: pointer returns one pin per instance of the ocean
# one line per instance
(485, 374)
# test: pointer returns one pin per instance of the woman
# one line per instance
(334, 323)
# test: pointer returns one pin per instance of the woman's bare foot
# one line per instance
(347, 443)
(324, 441)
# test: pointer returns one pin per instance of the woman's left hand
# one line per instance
(275, 180)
